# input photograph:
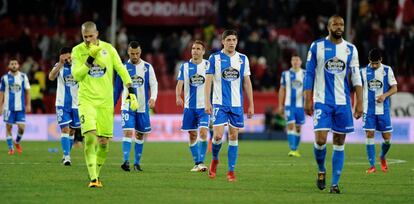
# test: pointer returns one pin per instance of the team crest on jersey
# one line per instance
(230, 74)
(374, 84)
(334, 65)
(14, 88)
(348, 51)
(104, 52)
(297, 84)
(241, 61)
(70, 81)
(197, 80)
(137, 81)
(96, 71)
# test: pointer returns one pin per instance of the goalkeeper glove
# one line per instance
(94, 50)
(132, 99)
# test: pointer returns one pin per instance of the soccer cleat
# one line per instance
(334, 189)
(202, 167)
(384, 165)
(66, 161)
(95, 184)
(321, 180)
(125, 166)
(230, 176)
(195, 169)
(213, 169)
(291, 153)
(296, 154)
(10, 152)
(371, 170)
(18, 148)
(137, 167)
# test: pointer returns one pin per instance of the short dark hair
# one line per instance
(134, 44)
(374, 55)
(200, 43)
(334, 16)
(229, 32)
(65, 50)
(295, 55)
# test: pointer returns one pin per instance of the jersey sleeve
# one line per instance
(26, 82)
(282, 79)
(118, 87)
(2, 85)
(246, 66)
(153, 83)
(180, 76)
(119, 67)
(310, 68)
(391, 79)
(354, 65)
(212, 65)
(79, 68)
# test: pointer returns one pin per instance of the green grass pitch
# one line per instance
(265, 174)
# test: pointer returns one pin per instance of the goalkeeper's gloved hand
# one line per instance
(94, 50)
(132, 99)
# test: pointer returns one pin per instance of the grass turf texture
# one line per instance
(265, 174)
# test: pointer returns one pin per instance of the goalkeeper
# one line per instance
(93, 65)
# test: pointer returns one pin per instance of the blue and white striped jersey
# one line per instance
(14, 88)
(67, 89)
(194, 77)
(293, 83)
(228, 75)
(144, 82)
(375, 83)
(328, 68)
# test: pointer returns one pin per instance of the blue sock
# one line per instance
(139, 145)
(203, 149)
(9, 139)
(370, 146)
(18, 138)
(232, 154)
(65, 142)
(72, 140)
(384, 148)
(126, 147)
(291, 140)
(320, 154)
(297, 140)
(194, 152)
(215, 149)
(338, 158)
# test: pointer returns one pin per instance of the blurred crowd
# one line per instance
(269, 32)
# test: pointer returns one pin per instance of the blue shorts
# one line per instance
(380, 123)
(295, 115)
(194, 119)
(223, 115)
(67, 117)
(337, 118)
(139, 122)
(14, 117)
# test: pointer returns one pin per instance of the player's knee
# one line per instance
(20, 131)
(203, 133)
(66, 130)
(139, 136)
(193, 135)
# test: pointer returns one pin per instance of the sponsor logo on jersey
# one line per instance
(96, 71)
(14, 88)
(334, 65)
(374, 84)
(230, 74)
(137, 81)
(197, 80)
(69, 80)
(297, 84)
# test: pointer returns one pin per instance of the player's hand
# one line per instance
(208, 109)
(28, 108)
(179, 101)
(250, 112)
(380, 99)
(63, 58)
(94, 50)
(151, 103)
(358, 111)
(132, 99)
(308, 107)
(99, 62)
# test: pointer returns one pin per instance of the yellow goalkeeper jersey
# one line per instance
(96, 83)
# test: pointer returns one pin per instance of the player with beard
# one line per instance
(330, 63)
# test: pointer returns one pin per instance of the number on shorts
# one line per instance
(6, 114)
(82, 119)
(316, 116)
